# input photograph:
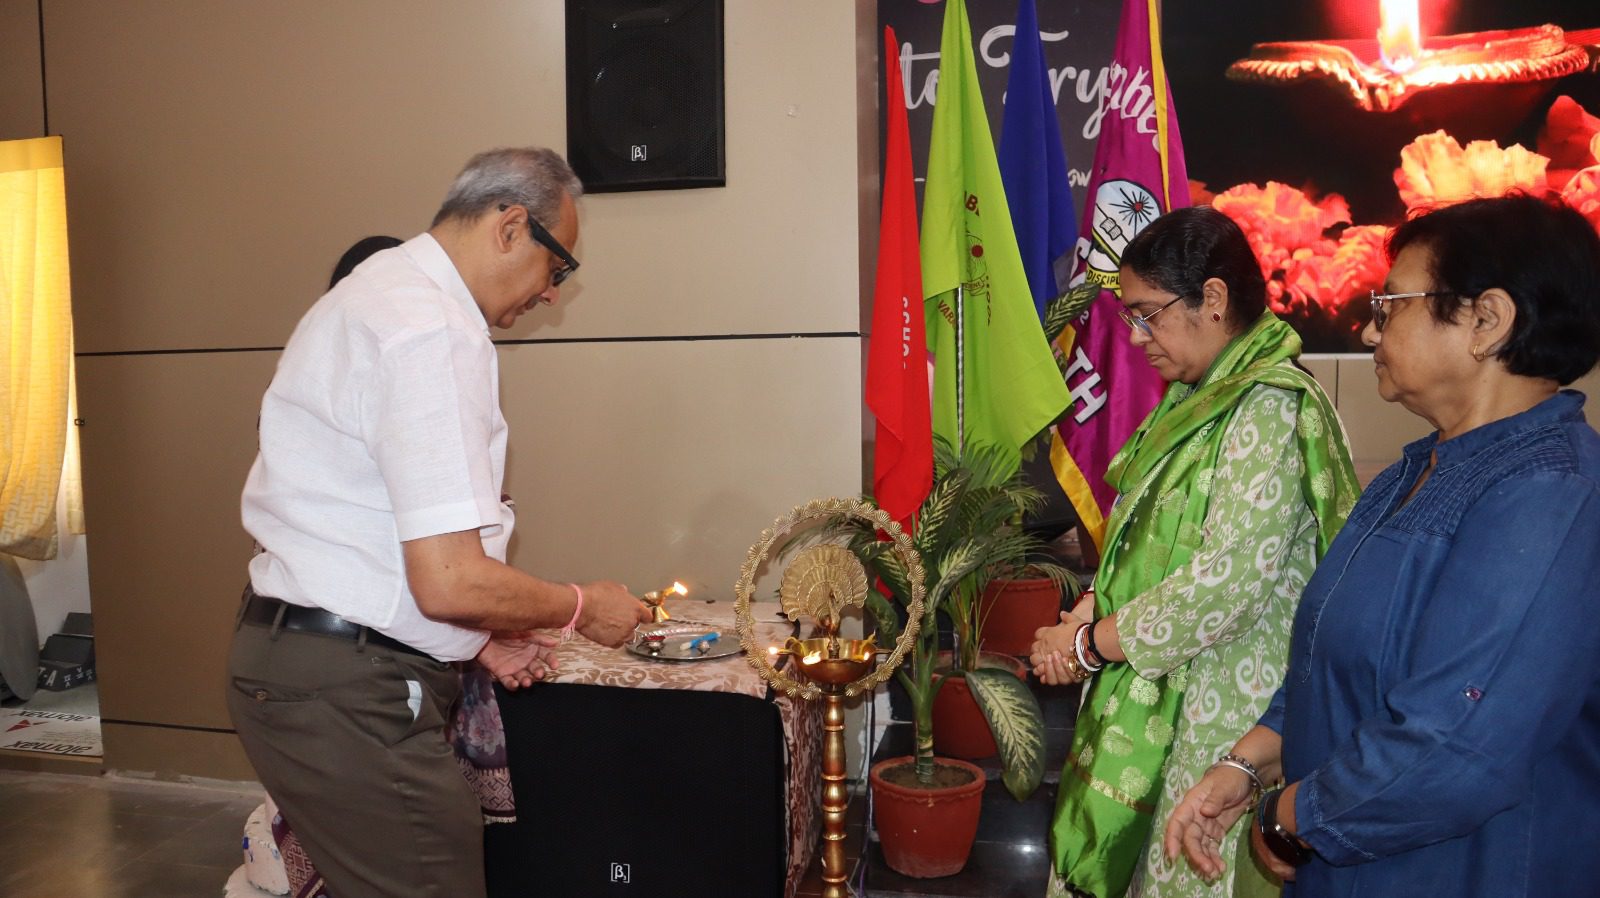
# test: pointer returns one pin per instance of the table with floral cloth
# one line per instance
(583, 662)
(478, 735)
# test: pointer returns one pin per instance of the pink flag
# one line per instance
(1138, 175)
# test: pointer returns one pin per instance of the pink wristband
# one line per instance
(572, 625)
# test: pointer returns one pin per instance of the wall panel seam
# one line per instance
(530, 341)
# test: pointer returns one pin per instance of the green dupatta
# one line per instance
(1112, 779)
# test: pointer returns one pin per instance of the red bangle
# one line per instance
(572, 625)
(1094, 649)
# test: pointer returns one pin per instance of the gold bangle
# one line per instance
(1073, 667)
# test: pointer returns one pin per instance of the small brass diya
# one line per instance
(657, 600)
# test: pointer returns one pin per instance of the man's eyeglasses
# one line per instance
(1380, 304)
(1141, 323)
(546, 240)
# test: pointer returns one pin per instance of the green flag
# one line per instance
(1013, 388)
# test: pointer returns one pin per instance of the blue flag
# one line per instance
(1033, 164)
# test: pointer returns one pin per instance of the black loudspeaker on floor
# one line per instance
(640, 793)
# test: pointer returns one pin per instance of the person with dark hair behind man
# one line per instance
(359, 252)
(376, 500)
(1229, 492)
(1439, 726)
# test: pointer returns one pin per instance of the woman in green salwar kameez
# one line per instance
(1229, 492)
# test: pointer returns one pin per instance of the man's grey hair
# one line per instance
(533, 177)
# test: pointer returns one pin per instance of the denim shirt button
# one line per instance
(1472, 693)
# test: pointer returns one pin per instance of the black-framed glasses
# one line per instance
(1380, 304)
(1141, 323)
(545, 239)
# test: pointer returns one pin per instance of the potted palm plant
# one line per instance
(1013, 607)
(968, 532)
(1033, 592)
(962, 724)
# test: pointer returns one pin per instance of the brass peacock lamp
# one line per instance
(820, 584)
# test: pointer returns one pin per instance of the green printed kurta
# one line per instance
(1228, 492)
(1206, 628)
(1227, 614)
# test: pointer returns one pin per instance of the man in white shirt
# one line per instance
(376, 500)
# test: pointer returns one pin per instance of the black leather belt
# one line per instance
(264, 611)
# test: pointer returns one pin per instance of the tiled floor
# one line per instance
(105, 837)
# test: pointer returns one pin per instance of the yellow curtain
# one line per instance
(36, 348)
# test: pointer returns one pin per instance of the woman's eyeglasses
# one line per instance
(1141, 323)
(1380, 304)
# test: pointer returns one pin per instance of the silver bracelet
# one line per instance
(1236, 762)
(1078, 649)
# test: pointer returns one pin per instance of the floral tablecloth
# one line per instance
(587, 663)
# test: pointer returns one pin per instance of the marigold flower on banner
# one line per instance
(1436, 170)
(1568, 139)
(1583, 193)
(1331, 275)
(1277, 300)
(1279, 219)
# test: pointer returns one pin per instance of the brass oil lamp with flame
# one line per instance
(820, 584)
(1477, 85)
(657, 600)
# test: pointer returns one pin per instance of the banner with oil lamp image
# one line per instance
(1316, 126)
(1319, 126)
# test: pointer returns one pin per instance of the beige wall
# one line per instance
(226, 153)
(221, 156)
(21, 89)
(1378, 430)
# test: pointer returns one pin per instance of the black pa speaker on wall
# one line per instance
(644, 93)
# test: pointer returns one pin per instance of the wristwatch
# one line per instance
(1282, 843)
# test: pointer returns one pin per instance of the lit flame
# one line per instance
(678, 589)
(1399, 34)
(812, 658)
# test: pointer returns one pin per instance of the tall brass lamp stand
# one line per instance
(819, 584)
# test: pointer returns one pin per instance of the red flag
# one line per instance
(897, 359)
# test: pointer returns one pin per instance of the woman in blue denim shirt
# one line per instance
(1439, 727)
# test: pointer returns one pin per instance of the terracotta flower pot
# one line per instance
(1013, 610)
(926, 832)
(959, 728)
